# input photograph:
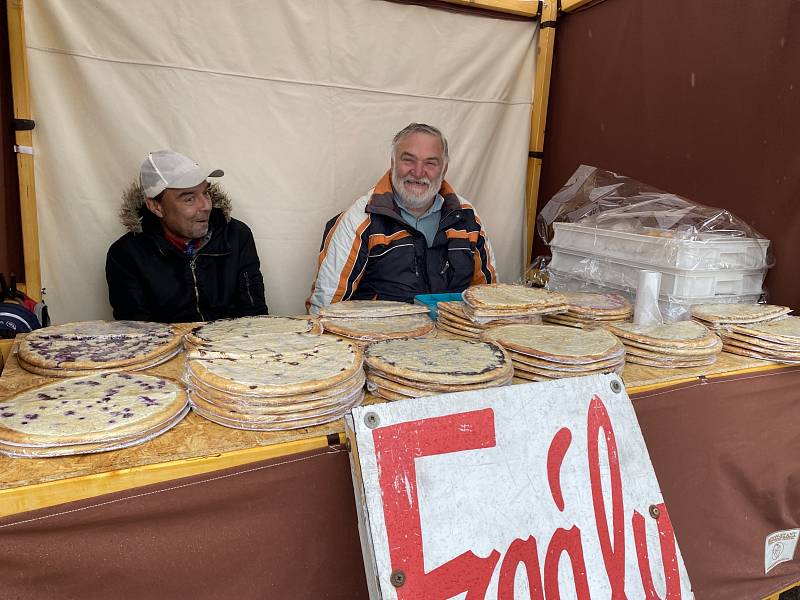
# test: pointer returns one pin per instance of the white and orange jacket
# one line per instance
(369, 252)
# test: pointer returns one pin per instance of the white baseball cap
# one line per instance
(167, 169)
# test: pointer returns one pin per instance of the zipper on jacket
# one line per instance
(445, 267)
(247, 286)
(196, 291)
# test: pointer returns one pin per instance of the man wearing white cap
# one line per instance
(184, 258)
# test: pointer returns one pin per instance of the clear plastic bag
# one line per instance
(604, 229)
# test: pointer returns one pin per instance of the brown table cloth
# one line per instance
(282, 528)
(727, 457)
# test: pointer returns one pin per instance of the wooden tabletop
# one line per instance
(197, 445)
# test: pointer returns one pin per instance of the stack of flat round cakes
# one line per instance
(454, 320)
(367, 321)
(295, 380)
(672, 345)
(93, 413)
(589, 309)
(544, 352)
(777, 340)
(718, 316)
(248, 334)
(75, 349)
(411, 368)
(491, 302)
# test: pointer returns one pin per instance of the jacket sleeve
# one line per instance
(484, 268)
(342, 258)
(250, 297)
(124, 289)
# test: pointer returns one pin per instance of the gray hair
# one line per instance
(421, 128)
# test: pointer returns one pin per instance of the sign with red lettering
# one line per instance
(537, 492)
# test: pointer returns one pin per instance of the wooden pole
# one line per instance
(24, 142)
(541, 90)
(525, 8)
(573, 5)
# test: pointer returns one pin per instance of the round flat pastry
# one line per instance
(266, 416)
(68, 372)
(387, 394)
(97, 408)
(597, 304)
(371, 308)
(398, 388)
(324, 395)
(557, 343)
(294, 365)
(254, 425)
(785, 330)
(682, 334)
(383, 328)
(92, 448)
(443, 387)
(521, 370)
(459, 325)
(760, 355)
(737, 312)
(439, 360)
(640, 349)
(380, 378)
(525, 359)
(242, 332)
(787, 354)
(460, 332)
(509, 296)
(81, 330)
(761, 343)
(97, 352)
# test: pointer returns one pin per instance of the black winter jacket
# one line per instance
(149, 279)
(371, 252)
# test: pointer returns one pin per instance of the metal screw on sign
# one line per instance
(398, 578)
(372, 420)
(616, 386)
(654, 512)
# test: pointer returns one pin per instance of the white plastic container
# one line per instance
(658, 248)
(694, 283)
(673, 308)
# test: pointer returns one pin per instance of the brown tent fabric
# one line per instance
(727, 457)
(283, 528)
(696, 98)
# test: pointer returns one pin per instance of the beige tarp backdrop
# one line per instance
(296, 100)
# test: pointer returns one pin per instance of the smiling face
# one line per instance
(184, 212)
(418, 169)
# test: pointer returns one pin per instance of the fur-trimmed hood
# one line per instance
(133, 208)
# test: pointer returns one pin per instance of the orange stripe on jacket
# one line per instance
(377, 239)
(350, 263)
(462, 234)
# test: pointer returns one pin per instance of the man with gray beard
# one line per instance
(411, 234)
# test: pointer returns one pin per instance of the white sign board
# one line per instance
(534, 491)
